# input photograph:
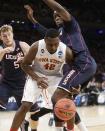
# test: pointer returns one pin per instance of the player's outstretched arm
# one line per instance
(40, 28)
(30, 14)
(55, 6)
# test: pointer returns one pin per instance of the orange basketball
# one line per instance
(65, 109)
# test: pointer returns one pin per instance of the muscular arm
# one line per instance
(64, 14)
(69, 56)
(27, 66)
(28, 59)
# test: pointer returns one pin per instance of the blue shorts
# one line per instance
(6, 91)
(76, 77)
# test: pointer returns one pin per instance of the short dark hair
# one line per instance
(52, 33)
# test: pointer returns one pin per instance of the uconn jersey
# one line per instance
(49, 64)
(13, 74)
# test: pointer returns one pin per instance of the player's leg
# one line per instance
(34, 123)
(81, 126)
(5, 93)
(20, 115)
(59, 94)
(36, 115)
(31, 92)
(18, 96)
(75, 77)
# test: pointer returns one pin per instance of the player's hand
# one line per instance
(29, 11)
(42, 82)
(8, 49)
(19, 60)
(75, 90)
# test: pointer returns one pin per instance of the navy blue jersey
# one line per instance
(13, 74)
(71, 35)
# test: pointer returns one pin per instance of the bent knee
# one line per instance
(25, 106)
(56, 96)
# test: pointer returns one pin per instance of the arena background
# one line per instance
(91, 17)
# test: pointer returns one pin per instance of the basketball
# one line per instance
(65, 109)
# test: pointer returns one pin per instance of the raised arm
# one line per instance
(63, 13)
(40, 28)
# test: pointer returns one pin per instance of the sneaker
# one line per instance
(51, 120)
(64, 129)
(2, 108)
(24, 126)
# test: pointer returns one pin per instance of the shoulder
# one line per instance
(34, 46)
(23, 44)
(72, 25)
(61, 44)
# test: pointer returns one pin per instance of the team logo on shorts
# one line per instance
(42, 50)
(60, 53)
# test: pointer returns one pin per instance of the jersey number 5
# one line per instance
(49, 66)
(16, 65)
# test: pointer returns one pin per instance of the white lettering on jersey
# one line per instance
(50, 64)
(14, 57)
(68, 76)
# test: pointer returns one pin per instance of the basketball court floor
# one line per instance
(93, 117)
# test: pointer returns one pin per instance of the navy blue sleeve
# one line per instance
(41, 29)
(72, 26)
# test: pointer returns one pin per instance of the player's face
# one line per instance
(52, 44)
(7, 38)
(58, 20)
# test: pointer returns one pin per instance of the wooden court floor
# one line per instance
(93, 117)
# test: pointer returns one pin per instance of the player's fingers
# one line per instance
(26, 6)
(75, 90)
(19, 60)
(44, 78)
(43, 86)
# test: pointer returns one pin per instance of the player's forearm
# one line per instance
(32, 19)
(41, 29)
(2, 53)
(53, 5)
(29, 70)
(64, 14)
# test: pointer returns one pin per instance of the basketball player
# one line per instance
(65, 36)
(49, 56)
(84, 66)
(13, 80)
